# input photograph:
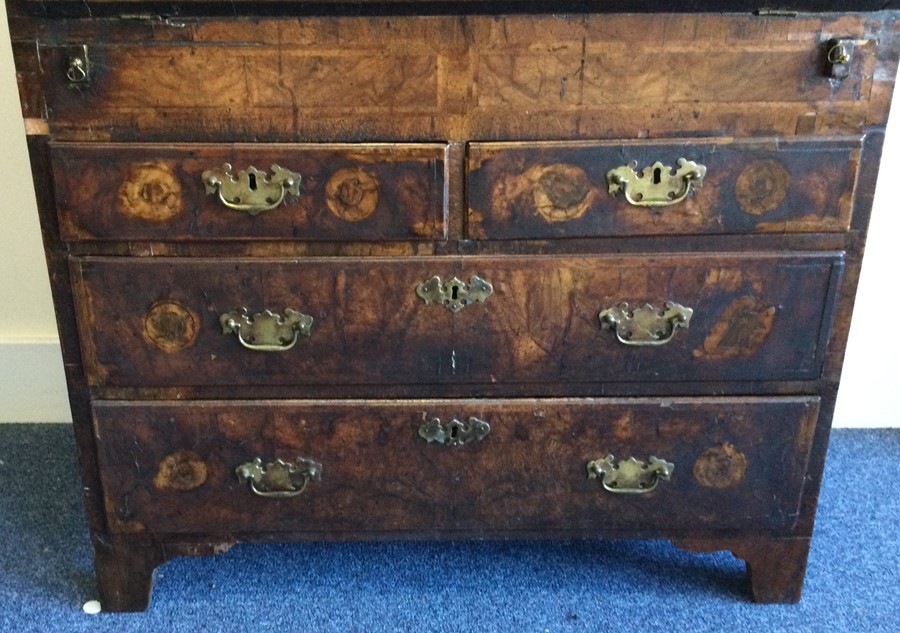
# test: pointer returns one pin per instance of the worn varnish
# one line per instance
(756, 317)
(528, 473)
(562, 190)
(468, 77)
(156, 192)
(469, 143)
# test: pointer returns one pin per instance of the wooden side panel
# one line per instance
(549, 190)
(738, 463)
(156, 192)
(755, 317)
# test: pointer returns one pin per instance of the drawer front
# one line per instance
(722, 463)
(182, 192)
(589, 189)
(175, 322)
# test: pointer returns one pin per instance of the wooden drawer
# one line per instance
(167, 192)
(576, 189)
(737, 463)
(158, 322)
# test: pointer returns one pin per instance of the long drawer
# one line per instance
(462, 320)
(699, 186)
(366, 466)
(134, 191)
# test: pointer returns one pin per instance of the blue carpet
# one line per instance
(852, 581)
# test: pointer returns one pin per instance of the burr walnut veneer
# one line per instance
(452, 270)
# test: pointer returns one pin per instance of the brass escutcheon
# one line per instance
(657, 185)
(646, 325)
(266, 331)
(455, 294)
(629, 476)
(454, 432)
(252, 190)
(279, 479)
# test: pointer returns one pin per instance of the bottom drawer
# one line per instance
(503, 465)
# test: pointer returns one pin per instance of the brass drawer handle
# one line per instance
(252, 190)
(279, 479)
(646, 325)
(266, 331)
(630, 476)
(455, 294)
(656, 185)
(454, 432)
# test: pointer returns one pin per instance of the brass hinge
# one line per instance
(778, 13)
(167, 20)
(141, 17)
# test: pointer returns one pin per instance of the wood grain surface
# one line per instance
(156, 192)
(551, 190)
(528, 473)
(756, 317)
(462, 77)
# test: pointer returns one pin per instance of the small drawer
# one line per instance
(367, 192)
(487, 465)
(164, 322)
(708, 186)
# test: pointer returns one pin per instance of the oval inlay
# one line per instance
(762, 186)
(352, 194)
(721, 466)
(151, 191)
(170, 326)
(182, 470)
(561, 192)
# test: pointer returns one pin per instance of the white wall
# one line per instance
(31, 375)
(32, 387)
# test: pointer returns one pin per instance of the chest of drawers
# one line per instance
(452, 271)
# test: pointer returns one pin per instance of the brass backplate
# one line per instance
(629, 476)
(455, 294)
(454, 432)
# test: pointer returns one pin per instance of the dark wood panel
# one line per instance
(156, 192)
(89, 8)
(548, 190)
(170, 467)
(756, 317)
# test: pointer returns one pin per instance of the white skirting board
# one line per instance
(32, 383)
(33, 388)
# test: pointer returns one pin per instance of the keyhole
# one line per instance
(454, 292)
(657, 176)
(252, 178)
(454, 432)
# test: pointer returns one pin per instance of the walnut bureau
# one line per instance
(453, 270)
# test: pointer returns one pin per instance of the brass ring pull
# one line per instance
(454, 432)
(77, 71)
(838, 54)
(266, 331)
(252, 190)
(656, 185)
(279, 479)
(646, 325)
(629, 476)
